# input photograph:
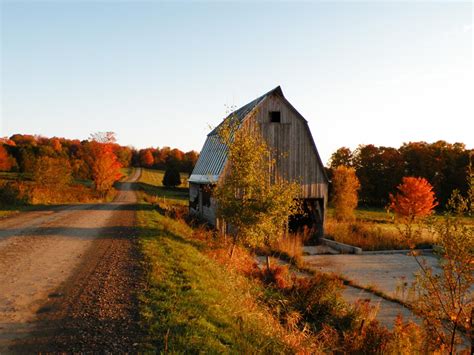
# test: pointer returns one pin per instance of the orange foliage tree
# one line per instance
(415, 199)
(146, 158)
(105, 168)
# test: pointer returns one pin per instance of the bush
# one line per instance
(171, 177)
(13, 193)
(277, 276)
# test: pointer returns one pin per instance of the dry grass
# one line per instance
(68, 194)
(290, 248)
(373, 236)
(291, 245)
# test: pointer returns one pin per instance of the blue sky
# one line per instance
(159, 73)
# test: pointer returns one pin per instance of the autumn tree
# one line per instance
(171, 177)
(342, 156)
(344, 186)
(56, 145)
(124, 155)
(104, 166)
(254, 202)
(189, 161)
(415, 199)
(6, 161)
(146, 158)
(52, 173)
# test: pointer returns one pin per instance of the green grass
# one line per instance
(151, 183)
(193, 304)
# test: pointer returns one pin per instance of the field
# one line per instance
(375, 229)
(151, 183)
(24, 194)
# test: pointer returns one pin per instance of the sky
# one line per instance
(161, 73)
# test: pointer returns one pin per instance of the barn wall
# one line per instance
(292, 138)
(198, 206)
(209, 212)
(194, 199)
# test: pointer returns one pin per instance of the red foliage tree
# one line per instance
(146, 158)
(414, 199)
(6, 162)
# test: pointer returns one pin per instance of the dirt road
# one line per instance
(68, 276)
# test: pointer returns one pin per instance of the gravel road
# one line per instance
(68, 277)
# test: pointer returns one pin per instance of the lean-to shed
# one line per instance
(287, 133)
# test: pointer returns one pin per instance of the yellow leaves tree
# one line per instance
(345, 186)
(251, 198)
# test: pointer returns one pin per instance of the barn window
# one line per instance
(275, 116)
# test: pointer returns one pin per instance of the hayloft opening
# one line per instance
(275, 116)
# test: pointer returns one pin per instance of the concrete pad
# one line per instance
(384, 272)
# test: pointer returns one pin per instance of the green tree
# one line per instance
(342, 156)
(172, 177)
(252, 199)
(344, 186)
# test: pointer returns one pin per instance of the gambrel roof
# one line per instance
(213, 156)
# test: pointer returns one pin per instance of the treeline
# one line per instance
(164, 158)
(20, 153)
(380, 169)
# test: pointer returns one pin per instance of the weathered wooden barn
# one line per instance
(285, 131)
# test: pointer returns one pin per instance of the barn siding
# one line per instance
(194, 199)
(291, 138)
(196, 206)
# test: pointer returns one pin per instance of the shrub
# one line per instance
(319, 301)
(13, 193)
(276, 275)
(171, 177)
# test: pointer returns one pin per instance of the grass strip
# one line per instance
(193, 304)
